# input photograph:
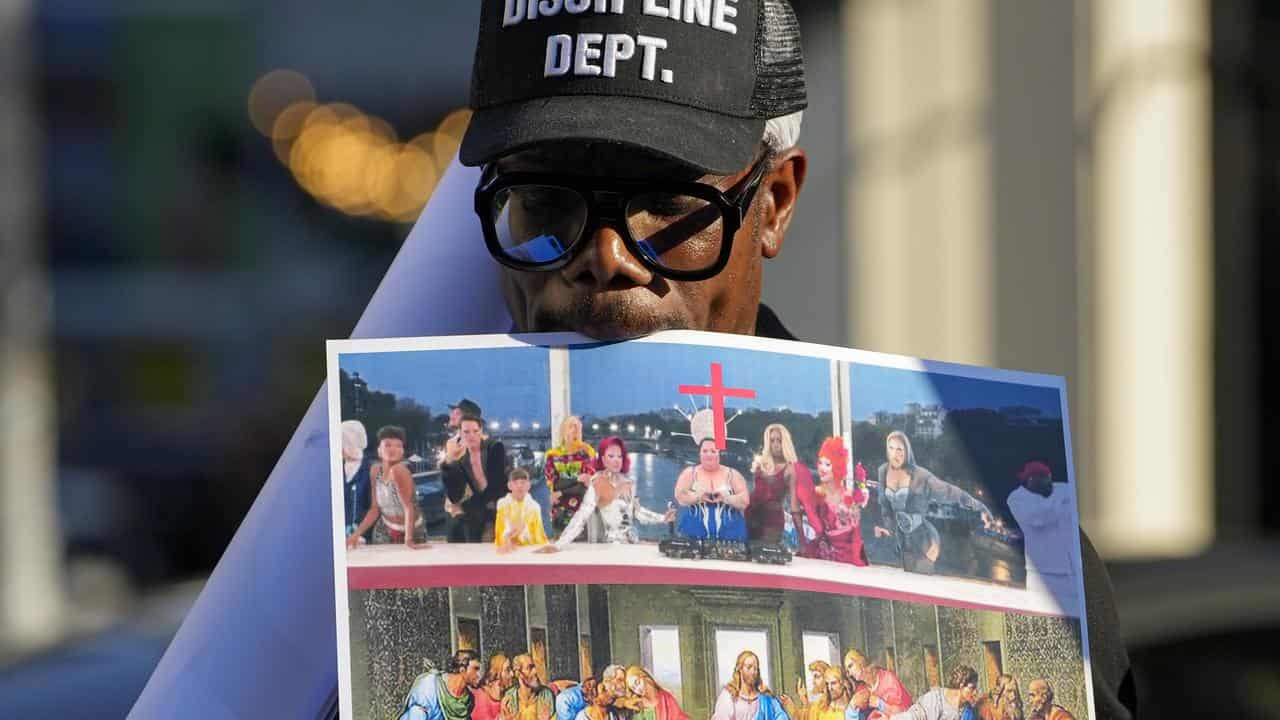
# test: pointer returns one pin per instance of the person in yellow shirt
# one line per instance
(519, 517)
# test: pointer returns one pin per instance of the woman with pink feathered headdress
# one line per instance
(840, 505)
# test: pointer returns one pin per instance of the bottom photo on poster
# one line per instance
(670, 652)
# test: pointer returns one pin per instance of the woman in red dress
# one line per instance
(840, 506)
(782, 489)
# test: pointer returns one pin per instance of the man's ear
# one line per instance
(778, 194)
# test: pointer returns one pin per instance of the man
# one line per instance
(529, 699)
(649, 696)
(888, 695)
(1040, 702)
(1043, 511)
(445, 696)
(573, 700)
(615, 678)
(453, 441)
(746, 697)
(475, 478)
(948, 703)
(630, 259)
(702, 108)
(497, 680)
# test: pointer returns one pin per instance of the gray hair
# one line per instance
(782, 133)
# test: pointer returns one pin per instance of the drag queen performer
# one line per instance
(906, 490)
(713, 498)
(839, 507)
(565, 463)
(783, 488)
(611, 497)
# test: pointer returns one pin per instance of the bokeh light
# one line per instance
(274, 92)
(348, 159)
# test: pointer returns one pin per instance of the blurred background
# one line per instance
(194, 195)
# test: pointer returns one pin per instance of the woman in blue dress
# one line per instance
(712, 498)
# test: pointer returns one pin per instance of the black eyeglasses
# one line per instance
(537, 221)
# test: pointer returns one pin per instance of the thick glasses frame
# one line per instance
(606, 199)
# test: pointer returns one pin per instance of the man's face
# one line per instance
(1037, 696)
(816, 677)
(835, 686)
(589, 688)
(619, 682)
(852, 669)
(527, 671)
(455, 416)
(606, 292)
(636, 684)
(473, 674)
(969, 694)
(750, 671)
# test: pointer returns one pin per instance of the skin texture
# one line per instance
(606, 293)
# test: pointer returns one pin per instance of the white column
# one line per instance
(31, 598)
(1152, 267)
(920, 277)
(560, 391)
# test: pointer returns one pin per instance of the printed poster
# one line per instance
(695, 525)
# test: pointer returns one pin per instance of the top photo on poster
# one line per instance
(698, 452)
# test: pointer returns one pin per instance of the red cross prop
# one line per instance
(718, 393)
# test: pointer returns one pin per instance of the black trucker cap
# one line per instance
(690, 80)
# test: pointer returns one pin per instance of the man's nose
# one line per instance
(606, 262)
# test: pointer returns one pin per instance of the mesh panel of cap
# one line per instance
(779, 86)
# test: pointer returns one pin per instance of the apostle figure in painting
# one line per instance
(713, 497)
(614, 677)
(887, 691)
(1004, 702)
(475, 478)
(1040, 702)
(610, 509)
(906, 491)
(602, 705)
(652, 702)
(564, 469)
(355, 474)
(808, 696)
(497, 680)
(782, 498)
(573, 700)
(445, 695)
(519, 519)
(839, 507)
(529, 699)
(949, 703)
(746, 697)
(834, 701)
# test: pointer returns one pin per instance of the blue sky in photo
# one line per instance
(508, 383)
(877, 388)
(619, 379)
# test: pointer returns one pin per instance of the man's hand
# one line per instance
(454, 449)
(547, 549)
(881, 532)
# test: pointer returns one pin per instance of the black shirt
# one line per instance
(1113, 690)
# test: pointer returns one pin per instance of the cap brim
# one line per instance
(710, 142)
